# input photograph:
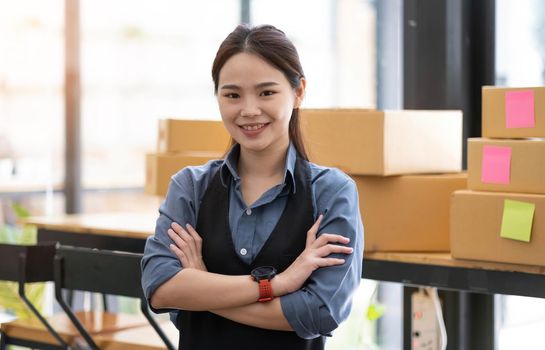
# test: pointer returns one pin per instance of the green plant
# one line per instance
(9, 297)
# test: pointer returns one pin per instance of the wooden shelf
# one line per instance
(120, 224)
(445, 259)
(442, 271)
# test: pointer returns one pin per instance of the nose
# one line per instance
(250, 108)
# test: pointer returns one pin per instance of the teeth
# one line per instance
(253, 127)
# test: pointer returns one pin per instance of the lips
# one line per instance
(253, 127)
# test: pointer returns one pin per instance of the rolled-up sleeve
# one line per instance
(159, 264)
(326, 299)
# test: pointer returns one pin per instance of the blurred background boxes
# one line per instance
(506, 165)
(183, 143)
(371, 142)
(476, 226)
(180, 135)
(398, 160)
(407, 213)
(513, 112)
(161, 166)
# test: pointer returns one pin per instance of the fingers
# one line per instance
(319, 252)
(195, 236)
(178, 241)
(179, 254)
(333, 249)
(311, 233)
(326, 244)
(330, 262)
(326, 238)
(189, 245)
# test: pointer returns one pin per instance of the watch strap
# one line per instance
(265, 290)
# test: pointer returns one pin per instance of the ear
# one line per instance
(300, 93)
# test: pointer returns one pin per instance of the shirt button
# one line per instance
(243, 251)
(248, 211)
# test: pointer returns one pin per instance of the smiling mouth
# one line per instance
(253, 127)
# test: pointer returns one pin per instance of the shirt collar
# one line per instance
(229, 167)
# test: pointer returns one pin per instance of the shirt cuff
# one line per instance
(154, 277)
(307, 315)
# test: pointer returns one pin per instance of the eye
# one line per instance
(231, 95)
(268, 93)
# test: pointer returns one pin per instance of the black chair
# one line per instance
(27, 264)
(100, 271)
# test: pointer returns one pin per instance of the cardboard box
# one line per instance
(179, 135)
(476, 220)
(524, 172)
(161, 166)
(370, 142)
(407, 213)
(502, 108)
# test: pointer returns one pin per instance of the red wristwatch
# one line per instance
(263, 276)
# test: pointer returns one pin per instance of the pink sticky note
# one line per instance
(496, 166)
(519, 109)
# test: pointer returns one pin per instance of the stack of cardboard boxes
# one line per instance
(182, 143)
(400, 161)
(502, 215)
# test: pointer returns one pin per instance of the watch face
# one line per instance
(263, 272)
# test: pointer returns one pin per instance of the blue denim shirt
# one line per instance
(326, 299)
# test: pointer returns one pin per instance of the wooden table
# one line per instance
(142, 338)
(112, 231)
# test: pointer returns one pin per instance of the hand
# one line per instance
(187, 246)
(313, 257)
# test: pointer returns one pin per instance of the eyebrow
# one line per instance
(258, 86)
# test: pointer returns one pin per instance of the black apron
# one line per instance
(207, 331)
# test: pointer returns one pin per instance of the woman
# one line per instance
(262, 249)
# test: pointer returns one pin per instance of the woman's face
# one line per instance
(256, 101)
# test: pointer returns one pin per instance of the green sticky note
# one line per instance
(517, 220)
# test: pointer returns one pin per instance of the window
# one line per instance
(31, 94)
(520, 61)
(336, 43)
(520, 44)
(141, 65)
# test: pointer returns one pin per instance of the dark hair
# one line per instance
(273, 46)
